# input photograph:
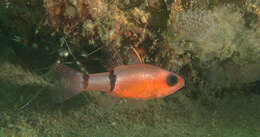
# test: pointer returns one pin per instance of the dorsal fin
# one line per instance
(136, 55)
(113, 57)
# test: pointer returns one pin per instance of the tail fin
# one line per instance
(67, 82)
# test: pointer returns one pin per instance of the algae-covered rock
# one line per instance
(214, 37)
(192, 25)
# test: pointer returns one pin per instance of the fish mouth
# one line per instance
(181, 82)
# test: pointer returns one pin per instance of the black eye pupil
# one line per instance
(171, 80)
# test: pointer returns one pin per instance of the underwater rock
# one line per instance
(193, 25)
(210, 45)
(214, 37)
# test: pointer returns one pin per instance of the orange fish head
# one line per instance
(167, 83)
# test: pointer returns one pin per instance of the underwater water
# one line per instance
(213, 46)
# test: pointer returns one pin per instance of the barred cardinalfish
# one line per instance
(137, 81)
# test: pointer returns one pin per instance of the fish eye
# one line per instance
(171, 80)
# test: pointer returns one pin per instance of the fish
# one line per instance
(136, 81)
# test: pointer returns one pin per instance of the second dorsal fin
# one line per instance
(113, 57)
